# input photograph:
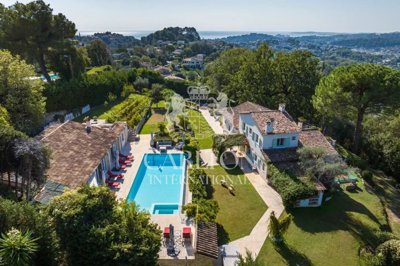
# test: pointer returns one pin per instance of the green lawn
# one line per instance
(95, 70)
(152, 123)
(330, 235)
(240, 213)
(202, 131)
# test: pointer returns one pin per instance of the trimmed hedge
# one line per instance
(289, 186)
(203, 207)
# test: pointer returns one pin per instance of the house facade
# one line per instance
(82, 153)
(274, 137)
(194, 62)
(267, 130)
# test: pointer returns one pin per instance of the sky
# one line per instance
(231, 15)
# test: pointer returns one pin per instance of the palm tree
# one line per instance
(248, 260)
(17, 248)
(278, 227)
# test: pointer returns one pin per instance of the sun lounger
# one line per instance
(129, 157)
(127, 162)
(111, 174)
(166, 232)
(121, 167)
(187, 232)
(112, 184)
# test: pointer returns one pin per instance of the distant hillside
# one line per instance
(113, 40)
(173, 34)
(250, 38)
(369, 40)
(332, 49)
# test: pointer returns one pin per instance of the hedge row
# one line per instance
(202, 207)
(89, 89)
(289, 186)
(131, 110)
(94, 89)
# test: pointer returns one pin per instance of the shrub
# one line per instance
(383, 236)
(202, 208)
(367, 176)
(289, 186)
(197, 181)
(389, 252)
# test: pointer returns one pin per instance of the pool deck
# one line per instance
(186, 248)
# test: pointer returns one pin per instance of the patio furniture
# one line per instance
(121, 167)
(112, 184)
(128, 157)
(351, 187)
(163, 149)
(111, 174)
(127, 162)
(166, 232)
(187, 232)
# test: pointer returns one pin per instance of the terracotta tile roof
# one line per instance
(314, 138)
(281, 122)
(207, 239)
(280, 155)
(307, 138)
(246, 107)
(75, 152)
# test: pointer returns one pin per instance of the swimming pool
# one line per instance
(158, 185)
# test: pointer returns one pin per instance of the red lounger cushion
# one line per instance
(187, 232)
(166, 231)
(126, 156)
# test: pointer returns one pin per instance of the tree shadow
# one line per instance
(223, 235)
(332, 215)
(338, 214)
(291, 255)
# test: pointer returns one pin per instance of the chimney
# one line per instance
(282, 107)
(270, 127)
(88, 126)
(300, 125)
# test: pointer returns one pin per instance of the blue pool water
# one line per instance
(158, 185)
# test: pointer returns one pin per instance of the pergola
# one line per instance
(225, 142)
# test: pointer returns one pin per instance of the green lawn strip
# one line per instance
(240, 213)
(330, 235)
(98, 110)
(151, 125)
(202, 131)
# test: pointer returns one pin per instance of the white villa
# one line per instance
(274, 136)
(194, 62)
(81, 154)
(198, 93)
